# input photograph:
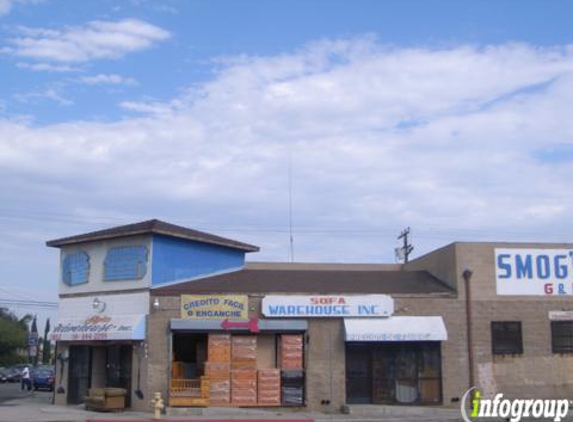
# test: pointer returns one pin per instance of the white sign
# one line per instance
(534, 272)
(400, 328)
(113, 304)
(100, 327)
(328, 306)
(561, 315)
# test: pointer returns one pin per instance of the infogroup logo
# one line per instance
(515, 410)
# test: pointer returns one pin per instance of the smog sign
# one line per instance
(534, 272)
(234, 307)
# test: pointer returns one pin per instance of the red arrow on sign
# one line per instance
(252, 325)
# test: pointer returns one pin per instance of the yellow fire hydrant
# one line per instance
(157, 404)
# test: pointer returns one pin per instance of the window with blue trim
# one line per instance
(76, 269)
(125, 263)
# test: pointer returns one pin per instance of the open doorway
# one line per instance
(189, 355)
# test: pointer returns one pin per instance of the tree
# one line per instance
(13, 336)
(46, 346)
(34, 333)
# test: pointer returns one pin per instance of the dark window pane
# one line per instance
(506, 338)
(562, 336)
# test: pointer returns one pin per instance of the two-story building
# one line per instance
(157, 307)
(104, 298)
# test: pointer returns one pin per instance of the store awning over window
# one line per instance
(396, 328)
(100, 327)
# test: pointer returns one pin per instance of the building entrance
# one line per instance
(79, 379)
(393, 373)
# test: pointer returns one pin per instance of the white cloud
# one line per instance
(94, 41)
(47, 67)
(7, 5)
(111, 79)
(51, 94)
(443, 140)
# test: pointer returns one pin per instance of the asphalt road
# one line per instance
(11, 391)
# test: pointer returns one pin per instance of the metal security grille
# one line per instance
(393, 373)
(118, 368)
(79, 373)
(562, 336)
(506, 338)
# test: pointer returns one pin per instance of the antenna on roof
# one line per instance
(406, 249)
(291, 238)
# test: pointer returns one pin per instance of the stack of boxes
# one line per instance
(244, 387)
(291, 352)
(244, 370)
(269, 385)
(244, 352)
(217, 368)
(292, 374)
(235, 380)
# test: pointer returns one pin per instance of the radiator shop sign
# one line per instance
(534, 272)
(328, 306)
(215, 307)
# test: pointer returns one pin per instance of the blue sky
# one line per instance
(199, 32)
(450, 117)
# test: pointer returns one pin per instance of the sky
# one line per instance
(352, 119)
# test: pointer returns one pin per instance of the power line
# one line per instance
(28, 303)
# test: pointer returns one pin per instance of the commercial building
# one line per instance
(157, 307)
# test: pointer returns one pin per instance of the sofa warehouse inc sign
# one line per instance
(534, 272)
(328, 306)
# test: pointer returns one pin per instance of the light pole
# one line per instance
(467, 276)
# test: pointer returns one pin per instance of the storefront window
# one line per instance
(241, 369)
(393, 372)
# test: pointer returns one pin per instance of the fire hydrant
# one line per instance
(157, 404)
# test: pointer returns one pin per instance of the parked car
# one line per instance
(13, 374)
(3, 375)
(43, 379)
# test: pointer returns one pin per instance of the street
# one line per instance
(10, 391)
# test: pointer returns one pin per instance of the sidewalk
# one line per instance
(26, 409)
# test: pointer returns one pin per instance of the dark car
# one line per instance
(3, 375)
(12, 374)
(43, 380)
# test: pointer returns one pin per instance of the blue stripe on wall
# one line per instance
(178, 259)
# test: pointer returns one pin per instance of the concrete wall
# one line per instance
(61, 378)
(441, 263)
(537, 372)
(179, 259)
(97, 252)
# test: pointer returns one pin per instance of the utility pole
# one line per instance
(406, 248)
